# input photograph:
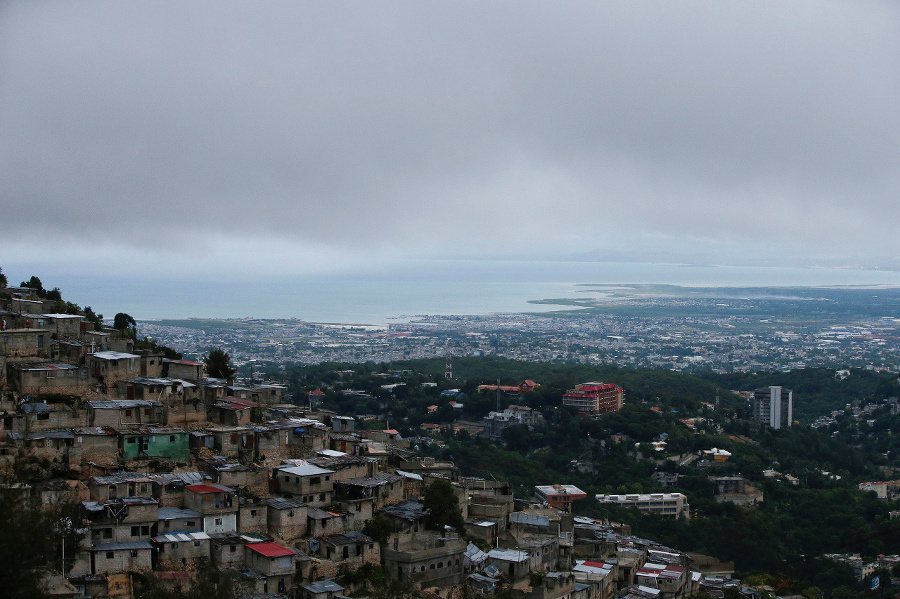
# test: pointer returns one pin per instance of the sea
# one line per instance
(405, 289)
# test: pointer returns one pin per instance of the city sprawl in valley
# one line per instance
(652, 443)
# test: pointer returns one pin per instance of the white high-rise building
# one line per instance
(774, 406)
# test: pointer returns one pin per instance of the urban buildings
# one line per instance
(558, 496)
(595, 398)
(666, 504)
(774, 406)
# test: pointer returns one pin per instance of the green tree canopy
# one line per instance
(443, 505)
(35, 283)
(31, 540)
(126, 325)
(218, 364)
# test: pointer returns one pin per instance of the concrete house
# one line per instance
(252, 517)
(31, 417)
(113, 558)
(234, 441)
(169, 488)
(180, 551)
(110, 367)
(313, 485)
(345, 466)
(275, 563)
(345, 442)
(321, 589)
(217, 505)
(321, 522)
(232, 411)
(342, 424)
(36, 378)
(176, 519)
(232, 473)
(228, 550)
(351, 549)
(514, 564)
(600, 576)
(120, 413)
(166, 390)
(62, 326)
(50, 444)
(118, 485)
(122, 520)
(24, 342)
(71, 351)
(95, 444)
(98, 340)
(425, 559)
(408, 516)
(673, 582)
(161, 442)
(286, 519)
(184, 369)
(266, 394)
(382, 489)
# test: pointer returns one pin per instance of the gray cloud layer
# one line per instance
(713, 131)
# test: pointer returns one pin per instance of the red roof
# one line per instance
(238, 403)
(270, 549)
(593, 564)
(201, 489)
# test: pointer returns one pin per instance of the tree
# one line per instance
(2, 278)
(379, 528)
(123, 321)
(93, 318)
(218, 364)
(126, 325)
(31, 539)
(443, 506)
(35, 283)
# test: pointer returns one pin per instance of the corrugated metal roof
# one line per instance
(347, 538)
(186, 478)
(373, 481)
(113, 355)
(530, 519)
(117, 546)
(181, 537)
(323, 586)
(173, 513)
(279, 503)
(119, 477)
(304, 470)
(118, 404)
(508, 555)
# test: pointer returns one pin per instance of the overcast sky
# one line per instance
(214, 136)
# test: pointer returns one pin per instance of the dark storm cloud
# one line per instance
(692, 129)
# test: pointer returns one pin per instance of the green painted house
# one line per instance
(149, 442)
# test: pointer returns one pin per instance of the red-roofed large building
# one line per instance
(595, 398)
(514, 391)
